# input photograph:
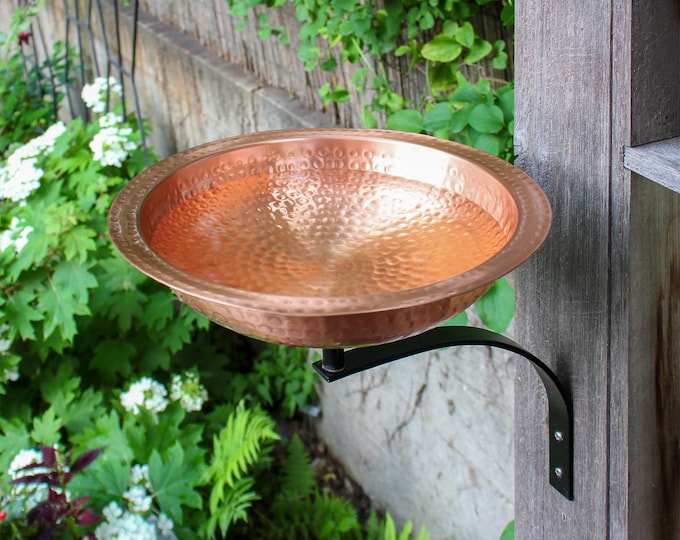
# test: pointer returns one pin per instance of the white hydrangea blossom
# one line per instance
(188, 390)
(124, 525)
(139, 475)
(146, 394)
(21, 175)
(133, 522)
(16, 236)
(94, 95)
(164, 525)
(111, 146)
(139, 500)
(110, 119)
(30, 494)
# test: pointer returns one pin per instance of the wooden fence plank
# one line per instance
(562, 135)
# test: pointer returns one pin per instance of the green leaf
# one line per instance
(441, 77)
(509, 532)
(497, 307)
(297, 473)
(439, 117)
(113, 356)
(46, 428)
(488, 143)
(486, 118)
(479, 50)
(174, 482)
(105, 480)
(65, 298)
(406, 120)
(238, 445)
(441, 48)
(160, 310)
(78, 242)
(128, 306)
(107, 433)
(459, 320)
(21, 314)
(368, 118)
(465, 35)
(506, 101)
(13, 440)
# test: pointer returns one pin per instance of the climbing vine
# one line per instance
(442, 43)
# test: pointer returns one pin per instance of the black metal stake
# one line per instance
(339, 363)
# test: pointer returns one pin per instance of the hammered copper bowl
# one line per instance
(329, 237)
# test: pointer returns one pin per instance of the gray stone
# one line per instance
(431, 438)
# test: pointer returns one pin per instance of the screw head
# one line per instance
(559, 472)
(559, 436)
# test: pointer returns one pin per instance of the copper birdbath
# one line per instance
(327, 237)
(336, 238)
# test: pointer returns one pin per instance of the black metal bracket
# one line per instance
(339, 363)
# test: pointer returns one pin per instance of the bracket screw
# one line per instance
(559, 437)
(559, 472)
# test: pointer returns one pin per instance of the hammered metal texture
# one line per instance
(329, 238)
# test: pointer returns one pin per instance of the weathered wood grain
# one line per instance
(658, 161)
(277, 64)
(600, 302)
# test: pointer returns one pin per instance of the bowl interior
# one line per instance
(328, 217)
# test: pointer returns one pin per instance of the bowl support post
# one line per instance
(339, 363)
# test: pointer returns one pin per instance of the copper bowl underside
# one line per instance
(329, 237)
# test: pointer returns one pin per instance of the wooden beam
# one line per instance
(599, 303)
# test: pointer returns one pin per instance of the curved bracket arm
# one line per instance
(338, 363)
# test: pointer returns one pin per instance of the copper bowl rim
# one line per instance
(534, 217)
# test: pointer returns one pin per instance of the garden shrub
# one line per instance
(125, 413)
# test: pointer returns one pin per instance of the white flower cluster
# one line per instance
(149, 394)
(21, 175)
(188, 390)
(95, 95)
(131, 524)
(112, 145)
(29, 495)
(138, 497)
(146, 394)
(121, 524)
(16, 236)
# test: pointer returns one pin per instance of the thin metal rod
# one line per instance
(338, 364)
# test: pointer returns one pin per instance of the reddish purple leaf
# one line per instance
(85, 459)
(87, 517)
(42, 478)
(49, 455)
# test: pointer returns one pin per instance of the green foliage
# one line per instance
(297, 476)
(497, 307)
(509, 532)
(281, 378)
(386, 529)
(28, 102)
(93, 355)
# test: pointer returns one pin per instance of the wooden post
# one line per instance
(600, 303)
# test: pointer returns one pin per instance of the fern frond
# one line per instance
(297, 475)
(237, 447)
(229, 506)
(386, 529)
(318, 516)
